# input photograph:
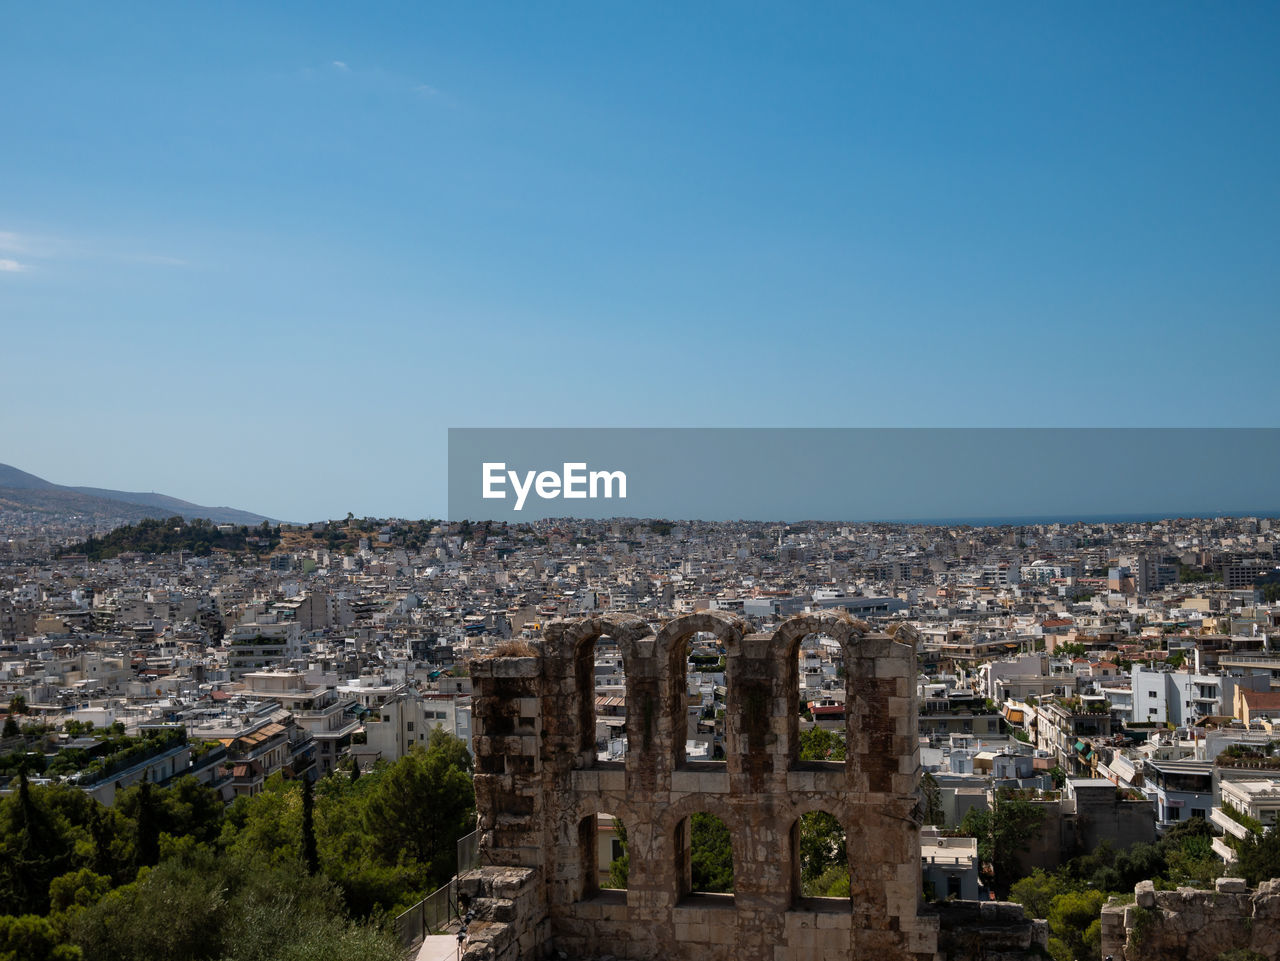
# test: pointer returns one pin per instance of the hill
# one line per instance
(152, 536)
(20, 491)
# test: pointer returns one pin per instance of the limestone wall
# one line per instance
(1193, 925)
(539, 788)
(989, 931)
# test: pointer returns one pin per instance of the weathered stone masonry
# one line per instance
(1193, 925)
(539, 788)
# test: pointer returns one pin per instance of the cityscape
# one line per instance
(496, 481)
(1114, 678)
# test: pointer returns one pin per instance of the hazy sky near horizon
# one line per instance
(264, 255)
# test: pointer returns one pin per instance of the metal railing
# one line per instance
(438, 909)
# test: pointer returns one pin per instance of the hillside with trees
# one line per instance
(295, 873)
(200, 537)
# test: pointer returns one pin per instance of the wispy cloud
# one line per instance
(160, 260)
(33, 250)
(384, 79)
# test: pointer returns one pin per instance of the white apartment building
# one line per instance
(409, 718)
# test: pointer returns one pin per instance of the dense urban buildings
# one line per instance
(1118, 677)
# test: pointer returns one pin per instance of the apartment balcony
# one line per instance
(1228, 824)
(337, 733)
(1223, 850)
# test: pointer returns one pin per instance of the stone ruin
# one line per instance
(540, 786)
(1189, 924)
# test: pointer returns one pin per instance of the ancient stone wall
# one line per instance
(989, 931)
(539, 788)
(1193, 925)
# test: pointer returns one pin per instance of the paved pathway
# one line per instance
(439, 947)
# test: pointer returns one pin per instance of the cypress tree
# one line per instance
(310, 854)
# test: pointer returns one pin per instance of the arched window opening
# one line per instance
(614, 861)
(820, 859)
(602, 700)
(706, 699)
(603, 856)
(704, 848)
(817, 694)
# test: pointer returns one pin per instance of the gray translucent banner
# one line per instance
(944, 475)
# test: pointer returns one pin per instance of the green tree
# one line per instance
(1037, 890)
(32, 938)
(77, 888)
(1003, 833)
(436, 780)
(10, 727)
(146, 845)
(822, 849)
(1075, 922)
(711, 853)
(819, 744)
(288, 915)
(36, 845)
(620, 867)
(310, 853)
(1188, 851)
(268, 825)
(931, 800)
(1258, 857)
(172, 911)
(18, 704)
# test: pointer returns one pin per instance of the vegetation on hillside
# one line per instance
(169, 872)
(1071, 898)
(200, 537)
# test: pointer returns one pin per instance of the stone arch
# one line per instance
(572, 646)
(785, 649)
(669, 656)
(674, 829)
(588, 864)
(575, 843)
(818, 814)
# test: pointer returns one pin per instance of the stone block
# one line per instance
(1145, 894)
(513, 667)
(1231, 886)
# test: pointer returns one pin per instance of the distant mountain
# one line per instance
(21, 491)
(14, 479)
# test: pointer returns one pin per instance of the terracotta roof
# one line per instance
(1262, 700)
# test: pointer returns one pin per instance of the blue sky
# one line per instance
(265, 255)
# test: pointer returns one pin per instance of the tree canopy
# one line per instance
(169, 872)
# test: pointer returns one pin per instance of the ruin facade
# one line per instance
(540, 787)
(1193, 925)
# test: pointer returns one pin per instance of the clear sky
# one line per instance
(265, 254)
